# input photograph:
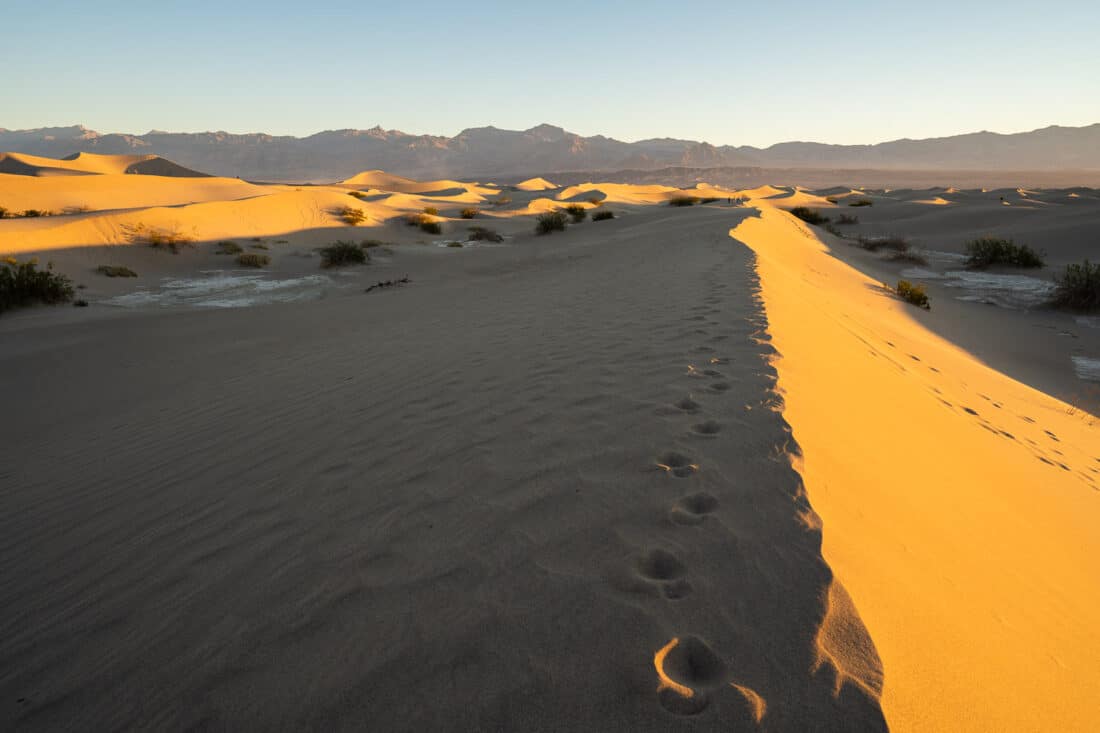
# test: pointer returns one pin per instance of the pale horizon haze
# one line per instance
(752, 74)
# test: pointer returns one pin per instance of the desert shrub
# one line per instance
(115, 271)
(502, 201)
(228, 248)
(342, 253)
(862, 202)
(577, 212)
(683, 201)
(80, 303)
(603, 215)
(170, 239)
(484, 234)
(828, 226)
(35, 213)
(431, 211)
(258, 246)
(874, 244)
(810, 216)
(1078, 288)
(551, 221)
(469, 212)
(253, 259)
(357, 194)
(995, 251)
(907, 256)
(350, 215)
(911, 293)
(594, 200)
(431, 227)
(847, 220)
(282, 241)
(4, 213)
(22, 283)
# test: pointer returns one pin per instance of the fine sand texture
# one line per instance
(960, 506)
(542, 487)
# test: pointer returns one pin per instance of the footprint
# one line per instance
(688, 405)
(665, 570)
(688, 672)
(709, 428)
(720, 386)
(677, 464)
(972, 412)
(694, 508)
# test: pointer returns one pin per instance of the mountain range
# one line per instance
(489, 152)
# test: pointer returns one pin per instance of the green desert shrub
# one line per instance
(484, 234)
(683, 201)
(862, 202)
(911, 293)
(469, 212)
(1078, 288)
(253, 259)
(350, 215)
(115, 271)
(603, 215)
(35, 213)
(996, 251)
(227, 248)
(847, 220)
(577, 212)
(342, 253)
(551, 221)
(22, 283)
(170, 239)
(431, 227)
(431, 211)
(810, 216)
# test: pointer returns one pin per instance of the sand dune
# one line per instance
(690, 468)
(958, 505)
(92, 164)
(535, 184)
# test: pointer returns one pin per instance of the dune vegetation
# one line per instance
(988, 251)
(24, 283)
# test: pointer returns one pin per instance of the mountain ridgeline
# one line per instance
(489, 152)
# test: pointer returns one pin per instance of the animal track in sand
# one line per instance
(710, 428)
(688, 405)
(694, 508)
(677, 464)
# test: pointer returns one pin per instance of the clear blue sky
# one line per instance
(730, 73)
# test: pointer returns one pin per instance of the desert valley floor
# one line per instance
(687, 468)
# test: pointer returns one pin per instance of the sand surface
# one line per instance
(549, 484)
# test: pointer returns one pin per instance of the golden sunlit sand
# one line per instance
(686, 466)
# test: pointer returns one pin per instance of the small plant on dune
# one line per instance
(469, 212)
(357, 194)
(862, 202)
(683, 201)
(342, 253)
(551, 221)
(431, 211)
(4, 213)
(603, 215)
(995, 251)
(34, 213)
(874, 244)
(115, 271)
(431, 227)
(828, 226)
(253, 259)
(350, 215)
(484, 234)
(914, 294)
(907, 256)
(847, 220)
(577, 212)
(810, 216)
(594, 200)
(1078, 288)
(22, 283)
(170, 239)
(227, 248)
